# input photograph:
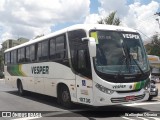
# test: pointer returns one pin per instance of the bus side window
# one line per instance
(27, 54)
(74, 41)
(39, 51)
(44, 50)
(79, 53)
(22, 55)
(32, 53)
(12, 57)
(60, 47)
(15, 56)
(52, 48)
(84, 65)
(19, 55)
(81, 59)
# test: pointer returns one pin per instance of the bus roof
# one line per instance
(86, 27)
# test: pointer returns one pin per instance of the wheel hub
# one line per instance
(65, 96)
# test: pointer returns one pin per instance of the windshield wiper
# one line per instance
(137, 64)
(128, 55)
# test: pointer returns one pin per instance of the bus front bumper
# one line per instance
(102, 99)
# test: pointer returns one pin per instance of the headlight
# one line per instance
(157, 79)
(154, 89)
(147, 84)
(104, 89)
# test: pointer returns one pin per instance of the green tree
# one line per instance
(111, 19)
(153, 48)
(156, 40)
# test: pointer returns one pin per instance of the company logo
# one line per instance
(6, 114)
(131, 36)
(40, 69)
(130, 86)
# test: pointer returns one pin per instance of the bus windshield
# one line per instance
(119, 53)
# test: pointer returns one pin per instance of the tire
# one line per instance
(150, 98)
(21, 92)
(152, 81)
(64, 97)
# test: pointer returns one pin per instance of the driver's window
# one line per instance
(81, 59)
(83, 62)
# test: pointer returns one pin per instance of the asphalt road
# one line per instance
(48, 108)
(158, 86)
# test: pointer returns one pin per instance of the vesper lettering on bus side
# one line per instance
(40, 69)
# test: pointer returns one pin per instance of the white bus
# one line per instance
(95, 64)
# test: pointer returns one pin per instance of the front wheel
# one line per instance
(20, 89)
(64, 97)
(150, 98)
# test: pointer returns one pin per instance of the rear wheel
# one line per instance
(20, 89)
(64, 97)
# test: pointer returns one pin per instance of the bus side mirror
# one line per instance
(91, 46)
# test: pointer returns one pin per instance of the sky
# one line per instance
(29, 18)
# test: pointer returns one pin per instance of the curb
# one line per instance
(158, 97)
(2, 81)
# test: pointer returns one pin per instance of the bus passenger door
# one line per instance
(84, 90)
(83, 76)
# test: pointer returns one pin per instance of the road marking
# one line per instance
(144, 103)
(55, 113)
(26, 118)
(128, 118)
(143, 118)
(2, 81)
(155, 118)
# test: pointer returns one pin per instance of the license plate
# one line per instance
(130, 98)
(152, 93)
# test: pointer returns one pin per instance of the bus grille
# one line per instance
(128, 91)
(123, 99)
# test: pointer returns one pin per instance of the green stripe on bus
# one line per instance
(139, 85)
(15, 70)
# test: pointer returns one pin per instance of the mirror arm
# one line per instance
(85, 39)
